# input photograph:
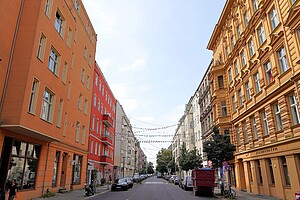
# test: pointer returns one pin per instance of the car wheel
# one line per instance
(185, 188)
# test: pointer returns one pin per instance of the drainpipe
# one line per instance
(10, 57)
(43, 187)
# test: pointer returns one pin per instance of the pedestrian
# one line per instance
(12, 190)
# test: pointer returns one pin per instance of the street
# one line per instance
(151, 189)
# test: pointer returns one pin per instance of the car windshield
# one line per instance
(122, 180)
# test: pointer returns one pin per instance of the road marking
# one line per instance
(155, 183)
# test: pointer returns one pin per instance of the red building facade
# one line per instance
(102, 129)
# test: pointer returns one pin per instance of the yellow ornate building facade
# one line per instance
(255, 92)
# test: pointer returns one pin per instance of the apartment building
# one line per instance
(206, 115)
(102, 130)
(47, 60)
(255, 75)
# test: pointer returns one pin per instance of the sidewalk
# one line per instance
(76, 194)
(244, 195)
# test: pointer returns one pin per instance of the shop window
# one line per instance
(271, 173)
(285, 170)
(23, 164)
(77, 168)
(55, 169)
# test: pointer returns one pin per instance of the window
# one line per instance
(259, 172)
(96, 79)
(93, 122)
(83, 135)
(243, 58)
(91, 147)
(48, 7)
(55, 169)
(65, 73)
(230, 75)
(236, 68)
(257, 83)
(53, 64)
(41, 47)
(248, 90)
(268, 70)
(75, 34)
(254, 128)
(80, 99)
(240, 97)
(69, 37)
(278, 117)
(282, 60)
(59, 112)
(85, 108)
(255, 5)
(246, 132)
(265, 122)
(220, 82)
(47, 105)
(58, 23)
(87, 82)
(293, 1)
(273, 18)
(85, 52)
(287, 181)
(97, 126)
(224, 108)
(294, 109)
(261, 34)
(77, 131)
(99, 105)
(246, 19)
(69, 90)
(233, 103)
(76, 171)
(239, 31)
(65, 124)
(90, 60)
(24, 159)
(226, 51)
(33, 96)
(82, 75)
(251, 48)
(76, 5)
(95, 99)
(238, 135)
(232, 42)
(271, 173)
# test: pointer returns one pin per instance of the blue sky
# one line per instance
(153, 55)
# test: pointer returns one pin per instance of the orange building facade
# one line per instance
(255, 87)
(47, 66)
(102, 130)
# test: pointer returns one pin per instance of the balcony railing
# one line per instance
(107, 120)
(105, 160)
(106, 139)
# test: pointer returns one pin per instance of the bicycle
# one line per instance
(230, 193)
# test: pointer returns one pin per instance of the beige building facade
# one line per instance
(255, 79)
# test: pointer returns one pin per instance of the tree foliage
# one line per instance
(189, 159)
(150, 169)
(163, 157)
(219, 149)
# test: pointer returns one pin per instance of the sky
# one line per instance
(153, 54)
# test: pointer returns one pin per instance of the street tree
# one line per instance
(183, 158)
(219, 149)
(150, 169)
(189, 159)
(163, 157)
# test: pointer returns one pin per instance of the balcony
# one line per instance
(107, 120)
(106, 160)
(106, 139)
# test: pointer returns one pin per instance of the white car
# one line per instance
(187, 183)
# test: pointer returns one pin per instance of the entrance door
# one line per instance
(63, 176)
(4, 161)
(242, 174)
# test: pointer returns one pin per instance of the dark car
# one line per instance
(176, 180)
(129, 182)
(120, 184)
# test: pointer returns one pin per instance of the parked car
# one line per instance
(172, 178)
(129, 182)
(136, 177)
(180, 184)
(176, 180)
(120, 184)
(187, 183)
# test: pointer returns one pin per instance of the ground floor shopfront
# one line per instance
(99, 173)
(272, 170)
(40, 165)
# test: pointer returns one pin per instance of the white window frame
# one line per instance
(265, 122)
(257, 82)
(294, 109)
(47, 105)
(261, 34)
(273, 18)
(282, 60)
(278, 117)
(268, 70)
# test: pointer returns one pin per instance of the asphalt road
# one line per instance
(151, 189)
